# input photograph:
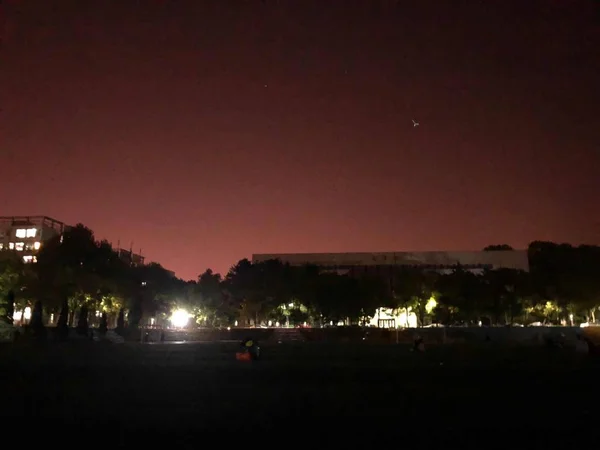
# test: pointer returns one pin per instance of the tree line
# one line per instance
(81, 281)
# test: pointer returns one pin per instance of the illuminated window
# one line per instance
(28, 258)
(19, 246)
(11, 245)
(21, 233)
(31, 232)
(1, 246)
(36, 245)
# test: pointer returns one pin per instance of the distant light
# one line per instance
(27, 314)
(291, 305)
(37, 245)
(180, 318)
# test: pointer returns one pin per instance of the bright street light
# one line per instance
(180, 318)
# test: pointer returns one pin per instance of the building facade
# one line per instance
(132, 259)
(27, 234)
(382, 262)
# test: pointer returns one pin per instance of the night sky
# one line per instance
(205, 131)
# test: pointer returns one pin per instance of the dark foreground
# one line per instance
(299, 393)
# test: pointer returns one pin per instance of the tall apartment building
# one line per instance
(27, 234)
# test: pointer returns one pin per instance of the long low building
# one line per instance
(439, 261)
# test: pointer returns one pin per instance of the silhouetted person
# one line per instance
(251, 346)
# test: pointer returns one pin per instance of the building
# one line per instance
(26, 234)
(133, 259)
(386, 262)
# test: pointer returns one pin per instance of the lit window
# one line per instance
(28, 258)
(31, 232)
(34, 259)
(21, 233)
(19, 246)
(11, 245)
(1, 245)
(36, 245)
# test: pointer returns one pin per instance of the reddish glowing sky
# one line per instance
(204, 133)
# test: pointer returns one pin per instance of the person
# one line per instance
(251, 346)
(419, 344)
(582, 346)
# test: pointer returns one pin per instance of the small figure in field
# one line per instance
(251, 347)
(419, 344)
(556, 342)
(581, 345)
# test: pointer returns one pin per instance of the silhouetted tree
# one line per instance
(7, 308)
(135, 314)
(103, 328)
(82, 323)
(121, 321)
(62, 325)
(497, 248)
(37, 321)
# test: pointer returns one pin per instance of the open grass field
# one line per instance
(159, 393)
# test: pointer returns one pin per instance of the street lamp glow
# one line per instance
(180, 318)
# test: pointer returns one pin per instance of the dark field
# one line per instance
(135, 393)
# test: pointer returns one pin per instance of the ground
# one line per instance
(132, 393)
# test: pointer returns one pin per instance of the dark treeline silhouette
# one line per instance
(79, 282)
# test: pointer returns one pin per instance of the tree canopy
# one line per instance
(77, 274)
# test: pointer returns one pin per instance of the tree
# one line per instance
(7, 308)
(62, 326)
(15, 283)
(82, 324)
(459, 296)
(135, 313)
(413, 290)
(506, 291)
(151, 291)
(213, 307)
(103, 327)
(498, 247)
(244, 285)
(37, 320)
(84, 271)
(121, 321)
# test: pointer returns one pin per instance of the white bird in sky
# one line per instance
(415, 123)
